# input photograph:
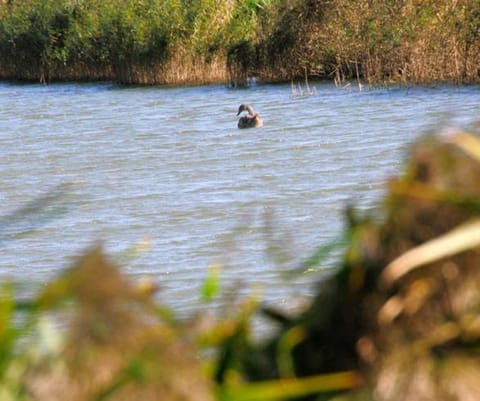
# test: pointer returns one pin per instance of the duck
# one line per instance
(251, 119)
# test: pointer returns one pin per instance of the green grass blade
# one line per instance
(291, 388)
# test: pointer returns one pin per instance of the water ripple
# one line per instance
(169, 164)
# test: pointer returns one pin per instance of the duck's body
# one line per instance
(251, 120)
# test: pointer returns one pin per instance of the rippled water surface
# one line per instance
(168, 168)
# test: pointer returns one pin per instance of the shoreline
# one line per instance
(347, 84)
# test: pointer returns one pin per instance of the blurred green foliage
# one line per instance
(91, 334)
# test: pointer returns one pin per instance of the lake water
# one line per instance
(168, 168)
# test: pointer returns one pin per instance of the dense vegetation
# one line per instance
(177, 41)
(396, 320)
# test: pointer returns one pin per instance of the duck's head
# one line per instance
(245, 107)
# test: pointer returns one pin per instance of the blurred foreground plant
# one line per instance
(115, 344)
(398, 319)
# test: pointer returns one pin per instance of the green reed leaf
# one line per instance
(283, 389)
(211, 285)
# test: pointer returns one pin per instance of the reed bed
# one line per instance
(231, 41)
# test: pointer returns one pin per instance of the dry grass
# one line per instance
(117, 347)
